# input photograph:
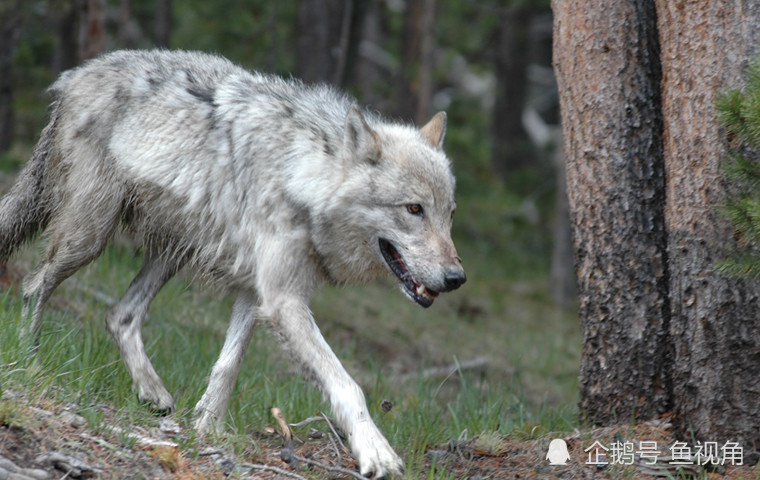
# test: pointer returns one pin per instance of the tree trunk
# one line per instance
(92, 29)
(715, 320)
(66, 21)
(10, 15)
(606, 58)
(510, 146)
(319, 23)
(126, 39)
(415, 85)
(163, 23)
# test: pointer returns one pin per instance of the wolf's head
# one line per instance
(398, 192)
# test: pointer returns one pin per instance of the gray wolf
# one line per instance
(267, 186)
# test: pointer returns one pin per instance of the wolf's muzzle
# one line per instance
(454, 279)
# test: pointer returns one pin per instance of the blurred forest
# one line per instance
(487, 63)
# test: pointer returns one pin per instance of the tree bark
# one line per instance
(606, 59)
(10, 15)
(706, 47)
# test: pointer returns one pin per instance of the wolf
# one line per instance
(264, 185)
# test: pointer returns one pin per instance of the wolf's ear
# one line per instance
(359, 140)
(435, 130)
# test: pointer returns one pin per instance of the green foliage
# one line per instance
(739, 112)
(12, 414)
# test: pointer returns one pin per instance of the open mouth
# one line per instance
(412, 288)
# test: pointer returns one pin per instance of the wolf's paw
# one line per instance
(206, 421)
(374, 453)
(157, 397)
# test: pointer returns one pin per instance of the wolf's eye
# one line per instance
(415, 209)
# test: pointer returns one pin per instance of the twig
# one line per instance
(306, 422)
(337, 452)
(96, 294)
(329, 424)
(449, 370)
(330, 468)
(270, 468)
(103, 443)
(9, 365)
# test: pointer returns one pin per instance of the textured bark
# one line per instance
(606, 58)
(715, 320)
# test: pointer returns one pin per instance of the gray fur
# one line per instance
(267, 186)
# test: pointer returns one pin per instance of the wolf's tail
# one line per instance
(24, 209)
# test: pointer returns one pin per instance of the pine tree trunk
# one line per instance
(10, 15)
(163, 23)
(510, 147)
(606, 57)
(715, 320)
(415, 82)
(66, 21)
(319, 25)
(92, 29)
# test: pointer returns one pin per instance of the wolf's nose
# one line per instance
(454, 279)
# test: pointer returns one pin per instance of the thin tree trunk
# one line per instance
(92, 30)
(126, 39)
(415, 84)
(317, 47)
(606, 59)
(510, 147)
(163, 23)
(715, 320)
(10, 17)
(66, 21)
(427, 63)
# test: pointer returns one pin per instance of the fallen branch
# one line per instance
(329, 468)
(270, 468)
(448, 370)
(306, 422)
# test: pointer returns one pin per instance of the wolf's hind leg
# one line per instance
(78, 235)
(212, 407)
(125, 320)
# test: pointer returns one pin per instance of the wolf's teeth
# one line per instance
(421, 291)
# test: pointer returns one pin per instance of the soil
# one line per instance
(45, 432)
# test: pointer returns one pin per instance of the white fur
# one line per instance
(267, 186)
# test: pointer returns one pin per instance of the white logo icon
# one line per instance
(557, 454)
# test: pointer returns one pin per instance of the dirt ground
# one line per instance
(50, 441)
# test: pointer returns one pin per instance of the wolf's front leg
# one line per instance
(300, 335)
(212, 407)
